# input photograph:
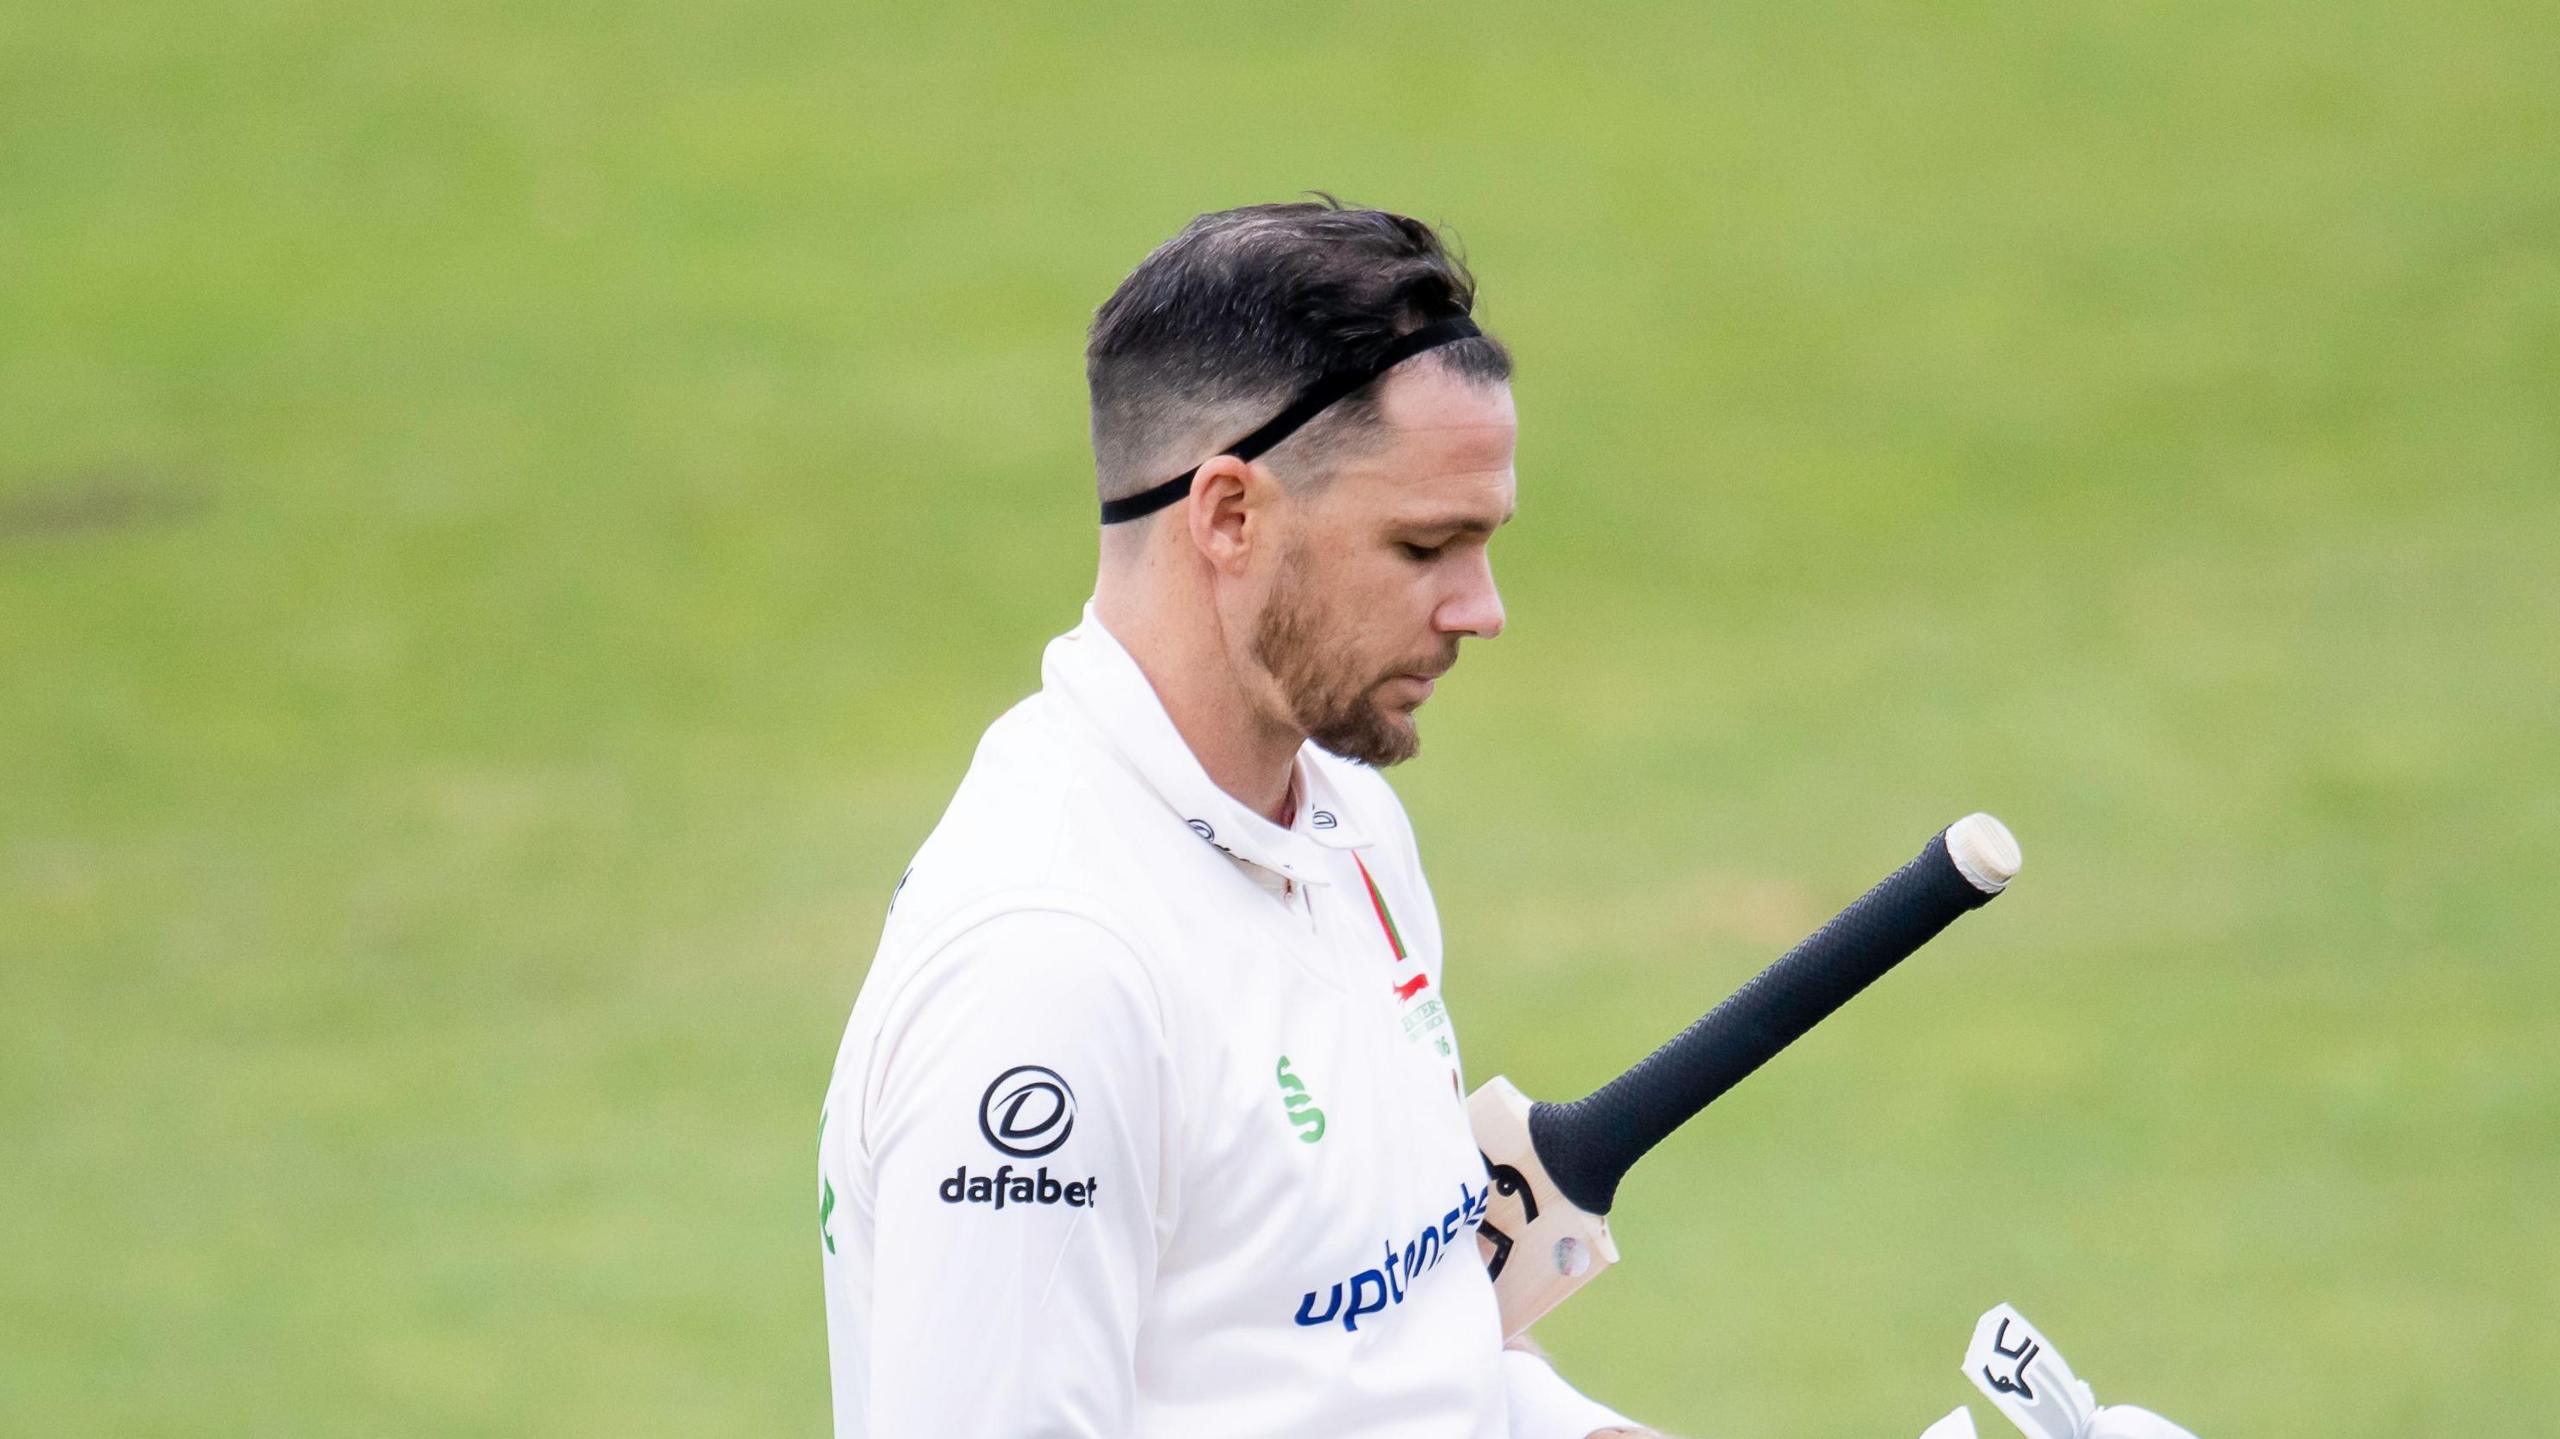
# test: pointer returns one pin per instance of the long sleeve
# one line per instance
(1016, 1131)
(1544, 1406)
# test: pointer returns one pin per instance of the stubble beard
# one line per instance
(1334, 706)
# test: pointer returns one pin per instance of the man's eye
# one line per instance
(1418, 552)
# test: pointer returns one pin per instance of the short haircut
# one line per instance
(1225, 323)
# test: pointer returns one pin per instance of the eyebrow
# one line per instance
(1467, 524)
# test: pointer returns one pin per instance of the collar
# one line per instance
(1102, 685)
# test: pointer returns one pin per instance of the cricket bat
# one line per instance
(1556, 1167)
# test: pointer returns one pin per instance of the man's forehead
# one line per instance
(1447, 460)
(1431, 396)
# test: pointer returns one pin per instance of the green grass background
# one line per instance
(513, 516)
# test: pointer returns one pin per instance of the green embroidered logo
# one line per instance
(1301, 1106)
(826, 1200)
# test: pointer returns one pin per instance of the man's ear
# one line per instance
(1229, 510)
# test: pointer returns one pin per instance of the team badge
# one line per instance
(1028, 1111)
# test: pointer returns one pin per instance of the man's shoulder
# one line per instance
(1044, 822)
(1014, 870)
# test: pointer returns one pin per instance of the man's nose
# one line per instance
(1477, 607)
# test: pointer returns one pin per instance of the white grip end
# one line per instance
(1986, 854)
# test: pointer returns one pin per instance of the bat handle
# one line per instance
(1593, 1141)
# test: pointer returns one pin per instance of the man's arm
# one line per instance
(1544, 1406)
(1016, 1126)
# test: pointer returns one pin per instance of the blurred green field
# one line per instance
(512, 518)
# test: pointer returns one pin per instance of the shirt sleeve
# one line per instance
(1016, 1130)
(1544, 1406)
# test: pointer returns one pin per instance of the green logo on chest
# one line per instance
(1301, 1105)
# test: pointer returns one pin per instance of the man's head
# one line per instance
(1339, 569)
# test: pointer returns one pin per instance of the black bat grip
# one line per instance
(1589, 1144)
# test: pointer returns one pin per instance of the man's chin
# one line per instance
(1387, 737)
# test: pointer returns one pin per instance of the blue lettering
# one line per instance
(1378, 1283)
(1372, 1291)
(1332, 1306)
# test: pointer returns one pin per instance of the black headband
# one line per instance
(1309, 404)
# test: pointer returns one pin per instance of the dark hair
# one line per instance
(1226, 322)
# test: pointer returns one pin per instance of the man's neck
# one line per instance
(1196, 680)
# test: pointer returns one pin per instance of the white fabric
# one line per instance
(2128, 1421)
(1258, 1216)
(2116, 1421)
(1543, 1406)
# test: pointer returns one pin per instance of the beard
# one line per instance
(1332, 699)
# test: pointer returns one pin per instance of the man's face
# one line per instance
(1387, 568)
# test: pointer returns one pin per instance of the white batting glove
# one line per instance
(2116, 1421)
(2125, 1421)
(2022, 1374)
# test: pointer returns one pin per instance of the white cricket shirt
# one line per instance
(1149, 1120)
